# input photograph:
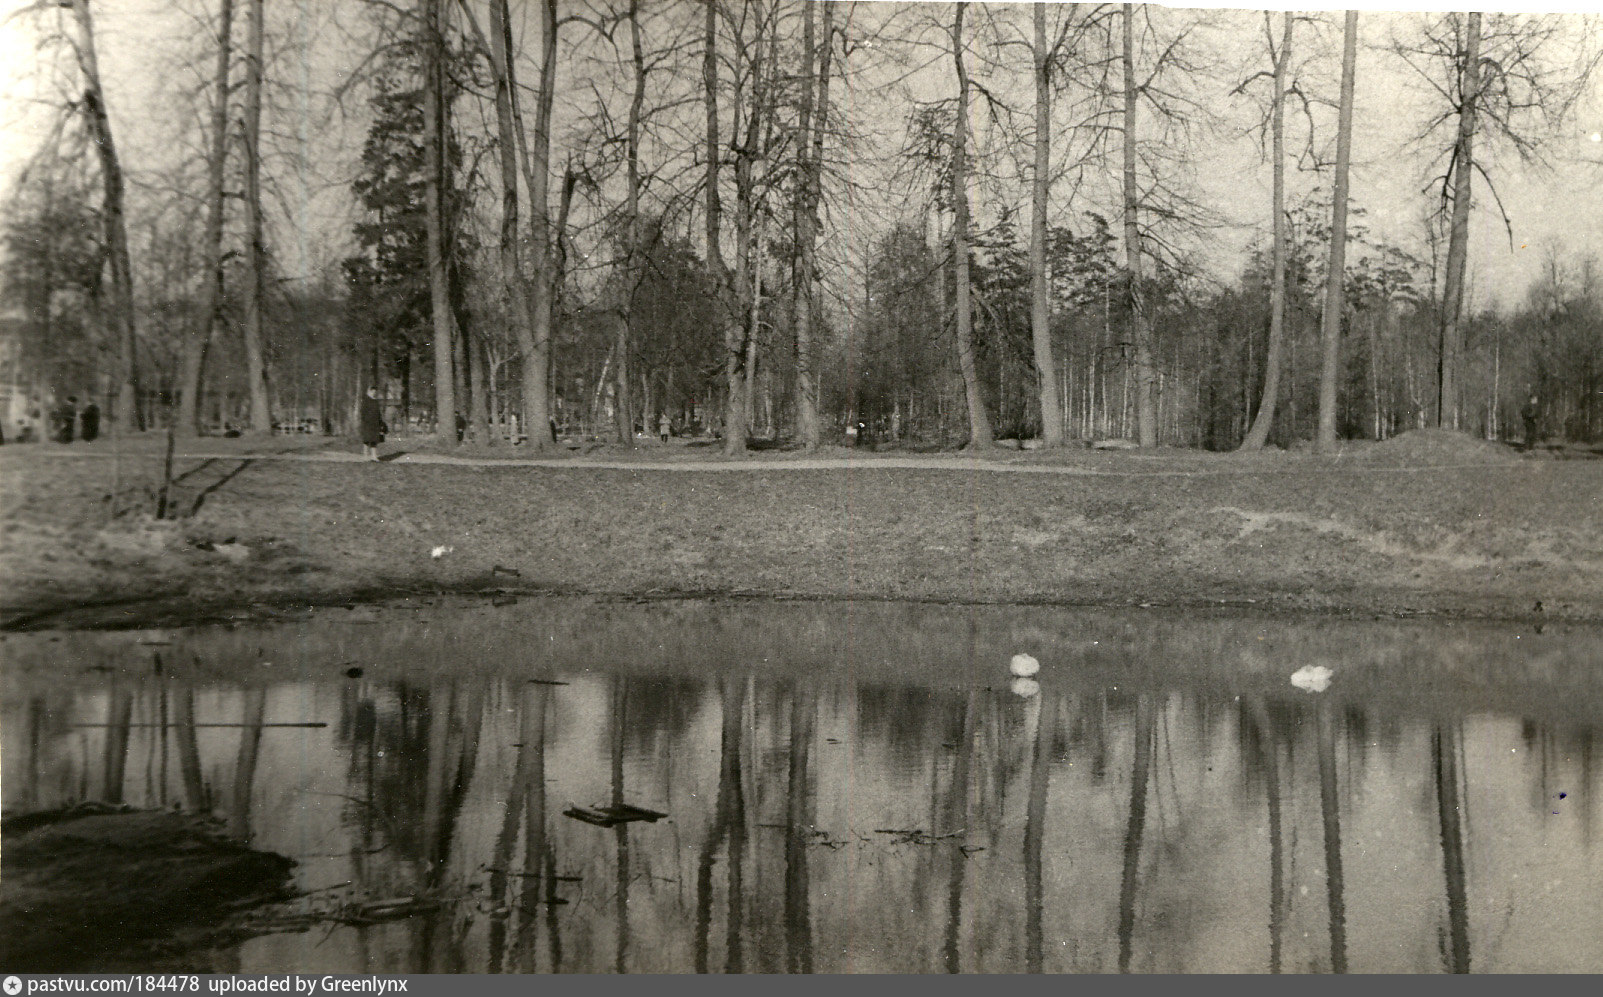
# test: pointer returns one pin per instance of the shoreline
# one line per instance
(169, 611)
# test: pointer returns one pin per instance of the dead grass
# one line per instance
(1369, 529)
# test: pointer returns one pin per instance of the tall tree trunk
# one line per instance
(714, 215)
(211, 291)
(126, 411)
(478, 372)
(754, 321)
(1140, 321)
(1463, 167)
(978, 421)
(536, 365)
(261, 416)
(632, 253)
(1040, 293)
(742, 330)
(512, 284)
(1258, 435)
(815, 198)
(1335, 279)
(810, 161)
(725, 307)
(435, 130)
(709, 82)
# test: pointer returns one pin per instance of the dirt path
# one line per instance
(864, 462)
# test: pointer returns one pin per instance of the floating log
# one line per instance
(612, 815)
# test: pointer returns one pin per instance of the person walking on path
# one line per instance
(371, 424)
(663, 427)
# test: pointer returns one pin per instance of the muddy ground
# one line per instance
(1427, 523)
(97, 888)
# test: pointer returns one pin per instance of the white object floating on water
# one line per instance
(1314, 678)
(1025, 688)
(440, 551)
(1023, 665)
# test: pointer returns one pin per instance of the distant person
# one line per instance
(1530, 413)
(64, 417)
(371, 424)
(89, 422)
(851, 434)
(663, 427)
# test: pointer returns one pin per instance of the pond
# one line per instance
(851, 787)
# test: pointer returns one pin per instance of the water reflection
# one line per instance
(833, 822)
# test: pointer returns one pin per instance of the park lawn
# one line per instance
(1426, 523)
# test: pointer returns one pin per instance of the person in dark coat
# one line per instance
(89, 422)
(1530, 413)
(64, 417)
(371, 424)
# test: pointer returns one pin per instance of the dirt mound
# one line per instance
(83, 885)
(1441, 446)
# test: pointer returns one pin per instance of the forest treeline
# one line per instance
(941, 224)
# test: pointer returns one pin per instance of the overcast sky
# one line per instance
(142, 45)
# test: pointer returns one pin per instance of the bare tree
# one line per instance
(1140, 321)
(434, 131)
(211, 291)
(513, 289)
(261, 418)
(1258, 435)
(121, 310)
(714, 209)
(752, 133)
(1502, 77)
(1336, 270)
(810, 157)
(1041, 189)
(537, 166)
(979, 421)
(623, 408)
(1461, 168)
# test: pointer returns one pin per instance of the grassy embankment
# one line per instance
(1426, 523)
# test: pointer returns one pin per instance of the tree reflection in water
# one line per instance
(910, 828)
(1135, 827)
(1444, 757)
(1330, 813)
(1041, 720)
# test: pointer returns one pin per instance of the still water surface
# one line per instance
(857, 788)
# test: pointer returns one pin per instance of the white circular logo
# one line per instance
(13, 985)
